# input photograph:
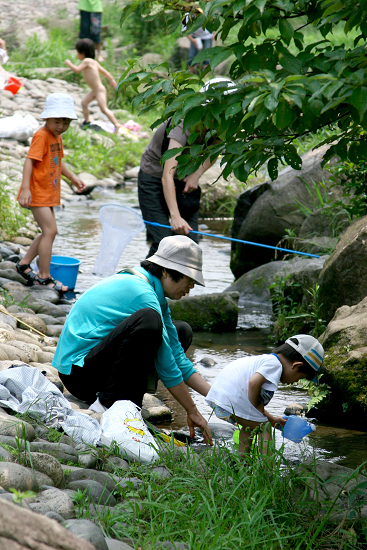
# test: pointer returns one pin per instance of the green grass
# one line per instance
(218, 501)
(85, 155)
(9, 225)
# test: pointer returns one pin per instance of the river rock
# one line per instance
(45, 357)
(44, 293)
(49, 320)
(42, 306)
(114, 462)
(48, 465)
(103, 478)
(216, 192)
(5, 456)
(155, 410)
(295, 408)
(13, 353)
(95, 491)
(88, 531)
(24, 241)
(54, 500)
(43, 480)
(345, 365)
(255, 308)
(54, 330)
(265, 214)
(217, 312)
(7, 320)
(21, 529)
(33, 321)
(12, 426)
(13, 276)
(29, 351)
(343, 280)
(328, 482)
(57, 450)
(114, 544)
(88, 460)
(7, 265)
(17, 476)
(161, 472)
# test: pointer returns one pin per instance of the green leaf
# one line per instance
(270, 103)
(171, 153)
(283, 115)
(216, 55)
(286, 30)
(233, 109)
(192, 117)
(273, 168)
(359, 100)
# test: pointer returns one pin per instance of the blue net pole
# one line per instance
(238, 240)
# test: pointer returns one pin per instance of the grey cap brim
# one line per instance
(193, 273)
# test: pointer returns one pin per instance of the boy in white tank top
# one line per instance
(245, 386)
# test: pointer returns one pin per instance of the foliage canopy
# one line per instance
(285, 88)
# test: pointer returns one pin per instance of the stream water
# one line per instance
(80, 236)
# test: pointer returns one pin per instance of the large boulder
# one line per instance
(255, 307)
(343, 280)
(22, 529)
(217, 194)
(345, 366)
(264, 214)
(216, 312)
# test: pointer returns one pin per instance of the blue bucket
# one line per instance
(65, 269)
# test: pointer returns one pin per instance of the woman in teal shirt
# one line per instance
(120, 332)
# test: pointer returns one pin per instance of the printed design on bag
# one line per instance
(138, 431)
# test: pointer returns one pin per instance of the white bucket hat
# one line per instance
(181, 254)
(59, 106)
(311, 350)
(230, 85)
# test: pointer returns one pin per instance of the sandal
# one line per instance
(30, 277)
(45, 282)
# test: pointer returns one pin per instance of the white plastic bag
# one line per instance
(18, 127)
(124, 424)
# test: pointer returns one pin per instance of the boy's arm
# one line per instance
(254, 388)
(25, 196)
(75, 68)
(73, 178)
(108, 75)
(197, 383)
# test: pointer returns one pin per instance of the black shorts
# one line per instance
(90, 26)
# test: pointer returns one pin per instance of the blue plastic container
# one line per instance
(297, 428)
(65, 269)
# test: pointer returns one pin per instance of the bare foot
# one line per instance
(100, 58)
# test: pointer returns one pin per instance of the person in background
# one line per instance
(119, 337)
(163, 197)
(201, 39)
(91, 69)
(91, 23)
(40, 188)
(244, 387)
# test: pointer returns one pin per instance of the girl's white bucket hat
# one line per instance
(59, 106)
(181, 254)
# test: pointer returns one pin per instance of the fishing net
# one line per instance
(120, 224)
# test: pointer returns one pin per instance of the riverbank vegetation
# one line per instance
(215, 500)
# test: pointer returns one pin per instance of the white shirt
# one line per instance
(230, 388)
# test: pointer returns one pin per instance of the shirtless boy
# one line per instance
(91, 69)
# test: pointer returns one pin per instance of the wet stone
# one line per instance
(207, 361)
(295, 408)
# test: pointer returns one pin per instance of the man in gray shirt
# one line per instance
(163, 198)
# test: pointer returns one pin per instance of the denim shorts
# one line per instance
(221, 413)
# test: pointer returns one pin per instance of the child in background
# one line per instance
(40, 188)
(243, 388)
(91, 69)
